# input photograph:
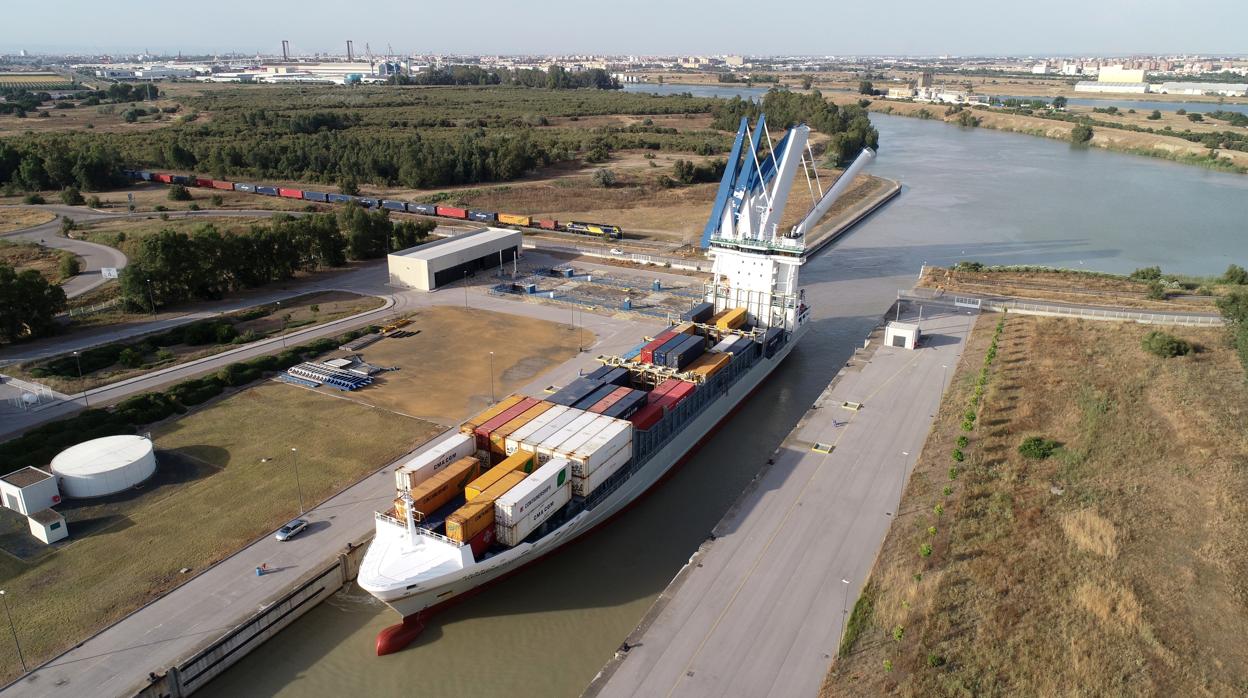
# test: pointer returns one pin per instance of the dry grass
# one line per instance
(103, 120)
(21, 218)
(452, 353)
(1114, 567)
(124, 234)
(28, 255)
(232, 498)
(1061, 286)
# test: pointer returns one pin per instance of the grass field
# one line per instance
(452, 351)
(126, 233)
(20, 218)
(28, 255)
(1115, 566)
(124, 553)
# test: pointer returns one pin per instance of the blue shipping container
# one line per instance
(315, 196)
(367, 203)
(617, 376)
(145, 175)
(180, 179)
(773, 339)
(599, 372)
(684, 353)
(392, 205)
(249, 188)
(483, 216)
(627, 405)
(699, 313)
(339, 198)
(660, 354)
(426, 209)
(589, 400)
(266, 190)
(635, 351)
(574, 391)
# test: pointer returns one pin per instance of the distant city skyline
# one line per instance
(643, 27)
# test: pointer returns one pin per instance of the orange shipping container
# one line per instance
(512, 219)
(521, 461)
(477, 515)
(708, 365)
(731, 319)
(439, 490)
(498, 437)
(498, 408)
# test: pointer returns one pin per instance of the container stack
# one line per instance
(477, 516)
(519, 511)
(521, 461)
(440, 489)
(699, 313)
(433, 460)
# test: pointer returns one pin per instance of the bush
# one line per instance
(193, 207)
(958, 455)
(604, 178)
(1146, 274)
(1155, 116)
(197, 391)
(33, 199)
(93, 201)
(898, 633)
(1165, 345)
(935, 660)
(963, 441)
(216, 201)
(70, 196)
(1156, 291)
(147, 408)
(177, 192)
(237, 374)
(1081, 134)
(1037, 448)
(69, 265)
(925, 550)
(1235, 274)
(130, 358)
(225, 333)
(968, 425)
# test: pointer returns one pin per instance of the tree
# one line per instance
(807, 82)
(1155, 116)
(28, 304)
(177, 192)
(1059, 102)
(1194, 116)
(1081, 134)
(1146, 274)
(1165, 345)
(69, 265)
(1156, 291)
(349, 186)
(604, 178)
(70, 196)
(866, 88)
(367, 233)
(1235, 274)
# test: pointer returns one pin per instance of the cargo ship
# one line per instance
(530, 474)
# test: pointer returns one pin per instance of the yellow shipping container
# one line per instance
(708, 365)
(512, 219)
(521, 461)
(498, 450)
(440, 489)
(477, 515)
(731, 319)
(685, 328)
(508, 402)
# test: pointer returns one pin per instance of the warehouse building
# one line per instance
(444, 262)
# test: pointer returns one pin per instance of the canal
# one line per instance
(969, 194)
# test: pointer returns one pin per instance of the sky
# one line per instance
(643, 27)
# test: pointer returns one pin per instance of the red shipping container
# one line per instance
(452, 212)
(612, 398)
(647, 352)
(548, 224)
(483, 431)
(664, 388)
(161, 177)
(290, 193)
(482, 542)
(647, 416)
(675, 395)
(218, 184)
(201, 182)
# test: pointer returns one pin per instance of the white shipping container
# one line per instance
(536, 438)
(586, 434)
(424, 465)
(516, 502)
(517, 437)
(723, 345)
(539, 512)
(584, 486)
(605, 444)
(546, 450)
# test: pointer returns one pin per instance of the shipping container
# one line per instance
(699, 313)
(423, 209)
(743, 348)
(392, 205)
(616, 437)
(535, 439)
(482, 216)
(708, 365)
(678, 391)
(512, 219)
(482, 542)
(633, 353)
(514, 504)
(618, 376)
(243, 187)
(583, 486)
(685, 328)
(547, 449)
(577, 440)
(218, 184)
(180, 179)
(483, 432)
(366, 202)
(428, 463)
(773, 339)
(601, 392)
(629, 403)
(521, 461)
(610, 399)
(498, 437)
(146, 175)
(512, 443)
(452, 212)
(599, 373)
(647, 416)
(203, 182)
(574, 391)
(731, 319)
(266, 190)
(470, 425)
(339, 198)
(477, 515)
(320, 196)
(647, 352)
(286, 193)
(684, 353)
(660, 353)
(162, 177)
(440, 489)
(721, 347)
(547, 224)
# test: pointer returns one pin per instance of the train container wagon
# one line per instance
(203, 182)
(392, 205)
(339, 198)
(223, 185)
(180, 179)
(548, 224)
(244, 187)
(289, 193)
(512, 219)
(452, 212)
(266, 190)
(162, 177)
(482, 216)
(316, 196)
(423, 209)
(146, 175)
(366, 202)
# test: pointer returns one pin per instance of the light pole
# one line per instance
(465, 288)
(294, 454)
(279, 314)
(86, 398)
(845, 609)
(13, 627)
(150, 297)
(491, 378)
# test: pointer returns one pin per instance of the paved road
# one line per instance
(759, 611)
(116, 661)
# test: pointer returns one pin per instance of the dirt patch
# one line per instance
(12, 219)
(28, 255)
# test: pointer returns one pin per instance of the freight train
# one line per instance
(599, 230)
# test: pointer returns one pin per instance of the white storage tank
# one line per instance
(104, 466)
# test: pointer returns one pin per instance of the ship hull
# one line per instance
(428, 598)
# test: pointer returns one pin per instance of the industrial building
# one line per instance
(29, 490)
(1224, 89)
(437, 264)
(1115, 79)
(104, 466)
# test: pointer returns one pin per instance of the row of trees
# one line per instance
(556, 78)
(28, 304)
(848, 126)
(55, 163)
(172, 267)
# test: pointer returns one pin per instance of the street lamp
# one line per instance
(465, 288)
(12, 627)
(845, 608)
(150, 297)
(294, 454)
(86, 398)
(491, 378)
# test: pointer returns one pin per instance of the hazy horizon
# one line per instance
(970, 28)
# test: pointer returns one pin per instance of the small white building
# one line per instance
(1117, 87)
(29, 490)
(48, 526)
(436, 264)
(904, 335)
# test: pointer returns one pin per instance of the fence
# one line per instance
(1013, 305)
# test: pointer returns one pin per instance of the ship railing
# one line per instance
(430, 534)
(386, 518)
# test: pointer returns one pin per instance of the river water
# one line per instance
(969, 194)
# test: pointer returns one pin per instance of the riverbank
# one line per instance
(1133, 142)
